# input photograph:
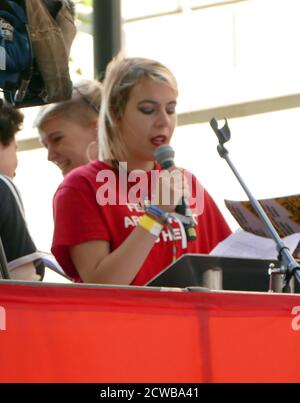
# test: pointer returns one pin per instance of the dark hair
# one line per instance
(11, 120)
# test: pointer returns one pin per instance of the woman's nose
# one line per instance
(162, 119)
(51, 154)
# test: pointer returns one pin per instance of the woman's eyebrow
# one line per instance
(50, 136)
(55, 133)
(151, 101)
(148, 101)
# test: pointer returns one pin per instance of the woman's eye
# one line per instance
(170, 111)
(55, 140)
(146, 111)
(171, 108)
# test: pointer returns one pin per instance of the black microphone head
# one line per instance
(164, 155)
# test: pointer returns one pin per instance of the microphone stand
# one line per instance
(289, 267)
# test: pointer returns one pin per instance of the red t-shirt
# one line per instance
(79, 218)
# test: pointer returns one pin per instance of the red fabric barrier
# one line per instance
(77, 334)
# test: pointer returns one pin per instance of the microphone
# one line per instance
(164, 155)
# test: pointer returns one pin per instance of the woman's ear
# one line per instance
(95, 124)
(93, 128)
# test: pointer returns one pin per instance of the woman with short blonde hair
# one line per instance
(68, 129)
(121, 76)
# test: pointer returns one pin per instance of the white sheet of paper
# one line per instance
(244, 244)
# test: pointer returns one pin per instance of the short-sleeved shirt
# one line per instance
(81, 215)
(17, 243)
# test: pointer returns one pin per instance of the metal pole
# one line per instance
(106, 32)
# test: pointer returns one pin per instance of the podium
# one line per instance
(218, 273)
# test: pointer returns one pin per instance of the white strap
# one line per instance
(15, 193)
(181, 227)
(2, 58)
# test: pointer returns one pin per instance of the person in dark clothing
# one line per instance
(24, 261)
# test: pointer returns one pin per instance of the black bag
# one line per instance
(15, 48)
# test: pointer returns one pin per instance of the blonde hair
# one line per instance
(83, 107)
(122, 74)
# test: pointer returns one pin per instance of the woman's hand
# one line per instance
(171, 187)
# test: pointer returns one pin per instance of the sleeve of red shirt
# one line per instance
(213, 223)
(212, 227)
(77, 219)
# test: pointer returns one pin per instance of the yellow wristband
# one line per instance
(150, 225)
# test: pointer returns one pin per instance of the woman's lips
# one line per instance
(158, 140)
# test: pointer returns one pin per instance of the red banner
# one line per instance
(67, 333)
